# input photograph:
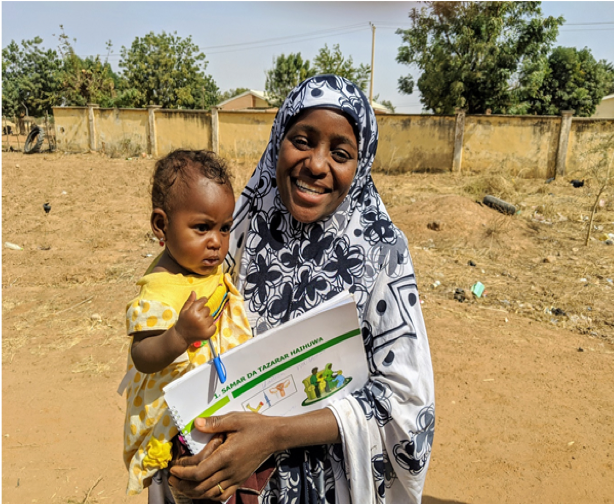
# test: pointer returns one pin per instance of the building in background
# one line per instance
(258, 100)
(605, 107)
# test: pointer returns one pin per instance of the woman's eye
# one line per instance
(300, 142)
(341, 156)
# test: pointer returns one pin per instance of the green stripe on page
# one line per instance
(273, 371)
(207, 413)
(295, 360)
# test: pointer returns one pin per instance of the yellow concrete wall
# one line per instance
(414, 143)
(185, 129)
(521, 145)
(122, 131)
(590, 140)
(243, 136)
(606, 108)
(72, 128)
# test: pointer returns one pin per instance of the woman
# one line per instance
(309, 225)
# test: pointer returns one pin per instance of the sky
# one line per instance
(242, 39)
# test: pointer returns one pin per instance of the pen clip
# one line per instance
(220, 368)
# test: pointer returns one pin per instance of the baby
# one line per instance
(185, 299)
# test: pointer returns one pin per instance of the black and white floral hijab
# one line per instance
(284, 268)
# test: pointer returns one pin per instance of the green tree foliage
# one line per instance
(567, 79)
(30, 83)
(469, 52)
(166, 70)
(288, 72)
(84, 81)
(231, 93)
(333, 62)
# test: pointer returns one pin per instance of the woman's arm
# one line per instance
(251, 438)
(152, 351)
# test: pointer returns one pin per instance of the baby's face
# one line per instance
(198, 231)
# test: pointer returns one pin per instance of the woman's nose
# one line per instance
(317, 163)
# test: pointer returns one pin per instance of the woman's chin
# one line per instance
(308, 207)
(306, 214)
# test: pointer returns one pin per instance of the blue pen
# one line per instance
(219, 365)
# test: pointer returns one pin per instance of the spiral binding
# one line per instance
(186, 438)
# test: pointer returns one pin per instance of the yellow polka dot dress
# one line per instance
(149, 426)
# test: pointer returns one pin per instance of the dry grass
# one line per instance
(578, 281)
(91, 366)
(500, 185)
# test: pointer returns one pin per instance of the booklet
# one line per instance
(300, 366)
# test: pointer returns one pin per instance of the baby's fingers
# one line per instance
(189, 302)
(200, 305)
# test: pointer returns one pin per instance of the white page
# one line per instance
(271, 374)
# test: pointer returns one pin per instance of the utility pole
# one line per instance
(372, 58)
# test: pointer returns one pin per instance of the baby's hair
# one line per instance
(178, 167)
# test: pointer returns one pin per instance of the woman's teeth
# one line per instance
(306, 187)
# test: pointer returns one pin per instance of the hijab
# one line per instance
(284, 267)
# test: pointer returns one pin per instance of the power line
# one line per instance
(252, 46)
(596, 23)
(323, 32)
(588, 29)
(258, 44)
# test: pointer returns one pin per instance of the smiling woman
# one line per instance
(309, 225)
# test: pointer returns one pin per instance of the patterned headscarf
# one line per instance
(284, 267)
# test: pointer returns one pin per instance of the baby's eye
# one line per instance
(202, 227)
(226, 228)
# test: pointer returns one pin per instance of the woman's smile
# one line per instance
(309, 188)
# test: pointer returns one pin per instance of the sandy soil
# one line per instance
(525, 402)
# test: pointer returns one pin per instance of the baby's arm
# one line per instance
(152, 351)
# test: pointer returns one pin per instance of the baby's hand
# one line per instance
(195, 322)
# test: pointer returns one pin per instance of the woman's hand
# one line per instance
(250, 440)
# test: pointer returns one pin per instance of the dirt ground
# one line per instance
(524, 375)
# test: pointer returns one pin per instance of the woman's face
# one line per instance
(317, 162)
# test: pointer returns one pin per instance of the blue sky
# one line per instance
(230, 33)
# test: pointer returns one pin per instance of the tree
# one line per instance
(30, 83)
(231, 93)
(84, 81)
(167, 70)
(333, 62)
(288, 72)
(568, 79)
(468, 52)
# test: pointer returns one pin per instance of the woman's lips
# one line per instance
(309, 188)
